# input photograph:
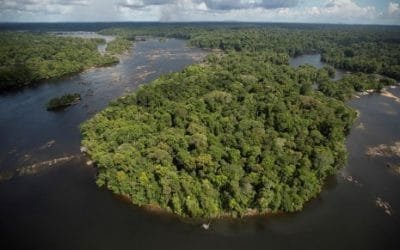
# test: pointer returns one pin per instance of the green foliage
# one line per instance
(63, 101)
(242, 132)
(118, 46)
(370, 56)
(368, 49)
(352, 83)
(26, 58)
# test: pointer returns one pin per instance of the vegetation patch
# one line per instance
(118, 46)
(63, 101)
(241, 134)
(353, 83)
(27, 58)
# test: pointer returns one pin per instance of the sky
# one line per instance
(304, 11)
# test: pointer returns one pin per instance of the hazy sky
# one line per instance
(320, 11)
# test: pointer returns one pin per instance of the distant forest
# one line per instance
(368, 49)
(29, 57)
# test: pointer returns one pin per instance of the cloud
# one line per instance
(393, 9)
(249, 4)
(23, 3)
(330, 11)
(43, 6)
(182, 10)
(212, 4)
(275, 4)
(137, 4)
(256, 10)
(344, 11)
(190, 10)
(321, 11)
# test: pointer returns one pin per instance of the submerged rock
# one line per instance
(48, 144)
(361, 126)
(206, 226)
(35, 168)
(390, 95)
(384, 205)
(383, 150)
(6, 175)
(393, 167)
(40, 166)
(350, 179)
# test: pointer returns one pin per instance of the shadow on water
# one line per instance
(62, 208)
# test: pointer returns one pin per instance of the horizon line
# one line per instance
(188, 22)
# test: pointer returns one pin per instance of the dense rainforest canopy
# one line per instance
(26, 58)
(243, 132)
(368, 49)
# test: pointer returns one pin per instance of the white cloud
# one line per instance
(332, 11)
(182, 10)
(40, 6)
(393, 9)
(343, 11)
(212, 4)
(323, 11)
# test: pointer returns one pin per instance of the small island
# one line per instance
(62, 102)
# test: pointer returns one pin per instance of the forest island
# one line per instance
(242, 133)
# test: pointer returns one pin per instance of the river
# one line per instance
(62, 208)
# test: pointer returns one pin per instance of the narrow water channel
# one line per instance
(314, 60)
